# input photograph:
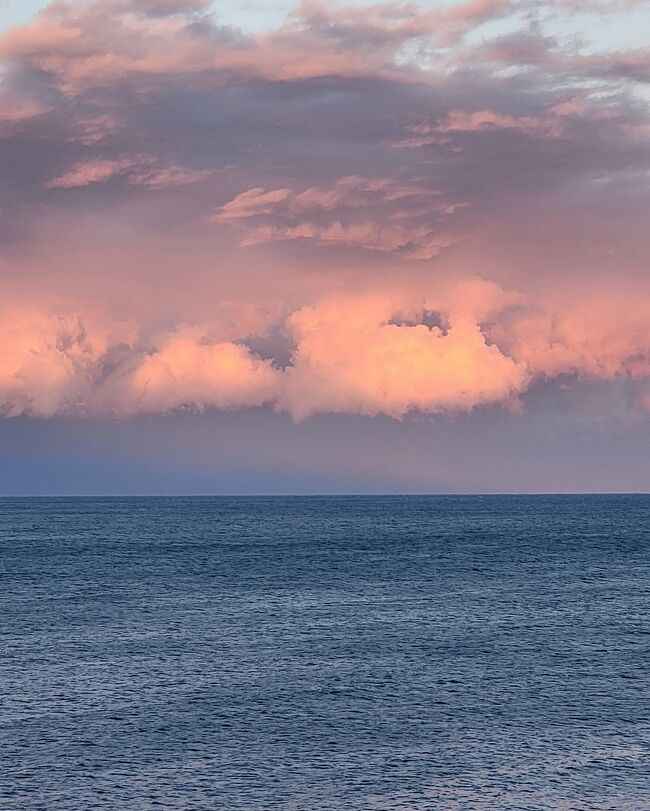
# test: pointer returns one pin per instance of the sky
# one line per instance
(325, 247)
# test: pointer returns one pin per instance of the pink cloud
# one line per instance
(97, 45)
(85, 365)
(16, 110)
(350, 358)
(375, 214)
(85, 174)
(459, 121)
(589, 339)
(356, 353)
(552, 123)
(138, 171)
(49, 361)
(168, 176)
(189, 369)
(251, 203)
(100, 43)
(106, 43)
(535, 177)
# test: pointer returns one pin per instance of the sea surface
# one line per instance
(325, 653)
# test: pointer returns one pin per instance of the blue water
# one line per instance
(325, 653)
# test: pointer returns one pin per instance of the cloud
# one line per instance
(54, 364)
(368, 354)
(600, 337)
(189, 369)
(85, 174)
(139, 171)
(560, 121)
(101, 43)
(251, 203)
(350, 358)
(15, 110)
(91, 130)
(372, 159)
(51, 362)
(163, 8)
(371, 213)
(111, 89)
(460, 121)
(84, 46)
(383, 28)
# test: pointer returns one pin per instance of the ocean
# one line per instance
(308, 653)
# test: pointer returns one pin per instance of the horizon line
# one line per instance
(459, 494)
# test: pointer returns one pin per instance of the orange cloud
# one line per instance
(363, 354)
(599, 338)
(351, 358)
(189, 369)
(50, 363)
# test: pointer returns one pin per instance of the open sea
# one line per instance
(317, 653)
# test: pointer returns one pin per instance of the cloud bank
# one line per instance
(357, 354)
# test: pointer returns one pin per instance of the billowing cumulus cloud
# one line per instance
(461, 347)
(351, 357)
(51, 363)
(588, 339)
(371, 209)
(189, 369)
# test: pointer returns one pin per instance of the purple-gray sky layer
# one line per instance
(429, 220)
